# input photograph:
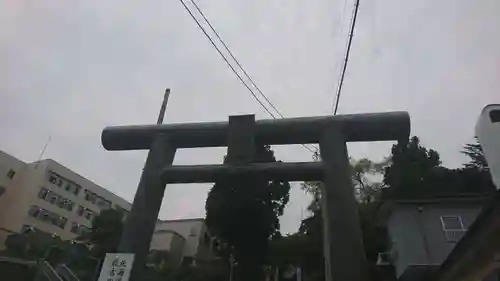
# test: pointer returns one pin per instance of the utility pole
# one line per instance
(161, 115)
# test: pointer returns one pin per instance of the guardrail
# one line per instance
(48, 272)
(66, 273)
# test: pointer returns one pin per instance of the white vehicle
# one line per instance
(488, 133)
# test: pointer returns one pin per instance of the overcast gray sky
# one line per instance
(70, 68)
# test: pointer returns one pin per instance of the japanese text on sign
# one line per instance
(116, 267)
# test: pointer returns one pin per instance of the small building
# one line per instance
(423, 233)
(167, 246)
(197, 242)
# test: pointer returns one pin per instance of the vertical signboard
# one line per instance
(116, 267)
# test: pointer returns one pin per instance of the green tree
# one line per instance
(243, 214)
(366, 178)
(105, 233)
(412, 171)
(32, 245)
(409, 172)
(415, 172)
(366, 175)
(476, 154)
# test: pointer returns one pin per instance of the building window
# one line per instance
(52, 198)
(88, 214)
(80, 210)
(61, 222)
(90, 196)
(73, 188)
(11, 173)
(102, 203)
(34, 211)
(42, 194)
(79, 228)
(85, 212)
(52, 178)
(63, 183)
(65, 203)
(495, 116)
(74, 227)
(27, 228)
(453, 228)
(47, 216)
(55, 199)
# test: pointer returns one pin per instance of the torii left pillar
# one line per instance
(141, 221)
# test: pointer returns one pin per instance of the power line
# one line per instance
(346, 59)
(234, 58)
(338, 63)
(225, 59)
(237, 62)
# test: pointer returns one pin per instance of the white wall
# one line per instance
(192, 230)
(162, 241)
(7, 163)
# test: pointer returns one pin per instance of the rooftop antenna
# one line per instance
(43, 151)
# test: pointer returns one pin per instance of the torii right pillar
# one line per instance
(342, 239)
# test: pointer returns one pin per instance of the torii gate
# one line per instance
(343, 247)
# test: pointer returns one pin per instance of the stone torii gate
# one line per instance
(343, 248)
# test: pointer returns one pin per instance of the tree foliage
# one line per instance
(366, 177)
(411, 166)
(243, 214)
(412, 171)
(105, 233)
(476, 154)
(297, 249)
(35, 244)
(416, 172)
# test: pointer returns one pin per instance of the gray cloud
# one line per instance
(69, 68)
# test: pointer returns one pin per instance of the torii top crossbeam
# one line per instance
(355, 127)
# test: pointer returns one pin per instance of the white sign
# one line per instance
(116, 267)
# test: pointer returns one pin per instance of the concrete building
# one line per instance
(196, 241)
(49, 197)
(424, 232)
(170, 243)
